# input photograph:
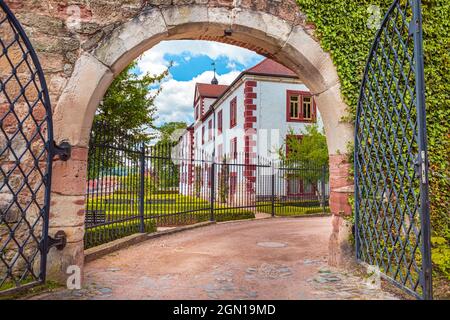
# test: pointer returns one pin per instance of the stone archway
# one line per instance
(273, 28)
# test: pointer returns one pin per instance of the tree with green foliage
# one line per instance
(311, 149)
(307, 156)
(125, 118)
(168, 130)
(128, 107)
(224, 181)
(166, 169)
(198, 183)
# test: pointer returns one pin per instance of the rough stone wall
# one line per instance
(64, 31)
(22, 158)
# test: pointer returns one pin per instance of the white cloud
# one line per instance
(175, 102)
(153, 61)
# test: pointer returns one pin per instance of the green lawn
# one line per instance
(292, 208)
(172, 210)
(184, 210)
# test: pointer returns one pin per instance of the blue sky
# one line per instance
(191, 64)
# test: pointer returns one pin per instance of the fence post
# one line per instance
(212, 195)
(324, 175)
(273, 191)
(142, 189)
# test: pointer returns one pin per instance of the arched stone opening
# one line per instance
(288, 41)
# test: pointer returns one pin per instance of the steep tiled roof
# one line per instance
(211, 90)
(270, 67)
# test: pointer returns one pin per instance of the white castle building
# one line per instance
(253, 116)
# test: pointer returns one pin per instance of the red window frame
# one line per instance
(301, 95)
(233, 112)
(203, 135)
(220, 152)
(300, 188)
(210, 130)
(220, 122)
(233, 183)
(233, 148)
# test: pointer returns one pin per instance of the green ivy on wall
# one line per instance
(342, 29)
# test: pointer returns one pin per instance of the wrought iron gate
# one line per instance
(26, 153)
(391, 166)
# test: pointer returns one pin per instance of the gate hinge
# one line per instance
(64, 150)
(59, 241)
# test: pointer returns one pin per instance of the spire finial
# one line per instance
(214, 80)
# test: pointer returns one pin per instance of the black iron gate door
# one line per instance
(391, 168)
(26, 153)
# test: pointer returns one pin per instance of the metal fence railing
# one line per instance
(133, 188)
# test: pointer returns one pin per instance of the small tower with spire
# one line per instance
(214, 80)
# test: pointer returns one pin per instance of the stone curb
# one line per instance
(95, 253)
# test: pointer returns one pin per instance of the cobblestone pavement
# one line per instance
(266, 259)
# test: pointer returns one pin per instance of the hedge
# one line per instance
(341, 28)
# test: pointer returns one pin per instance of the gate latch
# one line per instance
(59, 241)
(420, 167)
(64, 150)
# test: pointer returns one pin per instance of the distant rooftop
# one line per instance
(267, 67)
(211, 90)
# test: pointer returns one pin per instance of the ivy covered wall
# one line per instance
(341, 27)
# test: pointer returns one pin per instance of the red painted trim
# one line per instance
(251, 143)
(233, 148)
(202, 108)
(207, 115)
(248, 126)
